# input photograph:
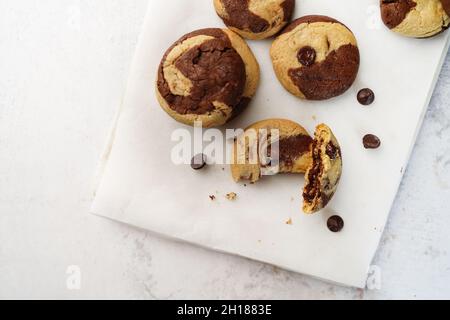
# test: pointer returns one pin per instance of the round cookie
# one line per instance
(208, 75)
(316, 58)
(324, 173)
(293, 153)
(416, 18)
(255, 19)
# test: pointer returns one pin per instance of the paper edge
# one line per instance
(415, 135)
(111, 135)
(104, 158)
(358, 285)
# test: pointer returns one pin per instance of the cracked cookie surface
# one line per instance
(255, 19)
(208, 75)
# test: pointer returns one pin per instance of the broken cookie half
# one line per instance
(282, 146)
(270, 147)
(324, 173)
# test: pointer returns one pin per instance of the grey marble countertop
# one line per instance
(64, 66)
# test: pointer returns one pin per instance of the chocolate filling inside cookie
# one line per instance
(216, 71)
(332, 151)
(292, 148)
(324, 172)
(330, 77)
(393, 12)
(312, 189)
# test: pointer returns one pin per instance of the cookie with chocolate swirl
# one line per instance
(416, 18)
(255, 19)
(207, 76)
(316, 58)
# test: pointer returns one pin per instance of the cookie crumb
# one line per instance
(231, 196)
(289, 222)
(212, 197)
(245, 184)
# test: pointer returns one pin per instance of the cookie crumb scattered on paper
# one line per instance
(289, 222)
(231, 196)
(212, 197)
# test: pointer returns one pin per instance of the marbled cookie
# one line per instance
(255, 19)
(324, 173)
(294, 149)
(416, 18)
(316, 58)
(208, 75)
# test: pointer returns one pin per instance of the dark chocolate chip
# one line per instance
(366, 96)
(306, 56)
(335, 224)
(198, 162)
(371, 141)
(332, 151)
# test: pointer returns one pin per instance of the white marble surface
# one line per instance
(63, 69)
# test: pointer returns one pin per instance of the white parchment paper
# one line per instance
(140, 185)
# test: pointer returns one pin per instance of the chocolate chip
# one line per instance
(332, 151)
(306, 56)
(198, 162)
(335, 224)
(366, 96)
(371, 141)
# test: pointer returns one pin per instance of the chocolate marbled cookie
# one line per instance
(208, 75)
(324, 173)
(416, 18)
(294, 149)
(316, 58)
(320, 159)
(255, 19)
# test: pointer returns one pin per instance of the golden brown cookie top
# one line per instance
(316, 57)
(255, 19)
(416, 18)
